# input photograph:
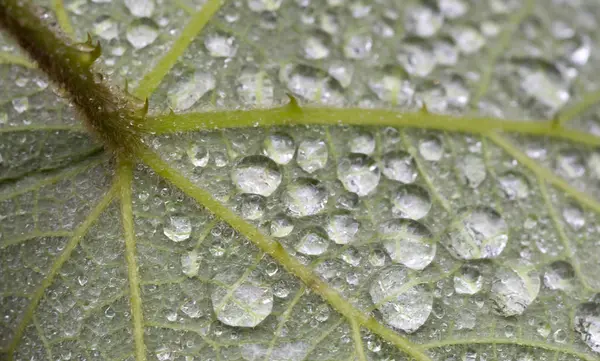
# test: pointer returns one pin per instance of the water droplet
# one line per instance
(587, 324)
(198, 155)
(544, 329)
(477, 232)
(363, 143)
(423, 21)
(252, 206)
(560, 336)
(392, 89)
(256, 174)
(304, 197)
(109, 312)
(342, 228)
(322, 313)
(20, 105)
(453, 9)
(190, 263)
(315, 47)
(465, 320)
(359, 174)
(341, 72)
(179, 228)
(314, 242)
(399, 166)
(377, 258)
(281, 226)
(473, 169)
(189, 90)
(513, 291)
(374, 345)
(468, 39)
(515, 185)
(255, 88)
(191, 309)
(406, 308)
(220, 45)
(547, 87)
(141, 33)
(431, 148)
(106, 28)
(358, 46)
(468, 281)
(281, 289)
(573, 215)
(241, 303)
(351, 256)
(417, 58)
(432, 94)
(264, 5)
(140, 8)
(559, 276)
(408, 242)
(312, 155)
(271, 269)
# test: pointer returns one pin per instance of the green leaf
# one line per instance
(278, 180)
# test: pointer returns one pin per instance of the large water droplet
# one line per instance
(468, 281)
(142, 33)
(363, 143)
(411, 201)
(477, 232)
(252, 206)
(179, 228)
(140, 8)
(304, 197)
(315, 47)
(423, 21)
(546, 87)
(513, 291)
(417, 58)
(342, 228)
(281, 226)
(198, 155)
(399, 166)
(431, 148)
(587, 324)
(313, 242)
(473, 169)
(559, 276)
(220, 45)
(241, 304)
(256, 174)
(280, 147)
(408, 242)
(312, 155)
(359, 174)
(406, 308)
(189, 90)
(515, 185)
(468, 39)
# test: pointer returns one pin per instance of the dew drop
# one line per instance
(271, 269)
(377, 258)
(252, 206)
(106, 28)
(570, 163)
(406, 308)
(191, 309)
(431, 148)
(587, 324)
(468, 39)
(312, 155)
(255, 88)
(281, 289)
(392, 89)
(476, 233)
(315, 47)
(256, 174)
(515, 185)
(304, 197)
(314, 242)
(399, 166)
(468, 281)
(358, 46)
(189, 90)
(179, 228)
(408, 242)
(220, 45)
(198, 155)
(473, 169)
(351, 256)
(190, 263)
(260, 6)
(363, 143)
(281, 226)
(559, 276)
(573, 215)
(359, 174)
(141, 33)
(512, 292)
(453, 9)
(140, 8)
(241, 305)
(423, 21)
(342, 228)
(466, 320)
(20, 105)
(560, 336)
(341, 72)
(417, 58)
(547, 88)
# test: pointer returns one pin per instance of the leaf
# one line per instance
(311, 181)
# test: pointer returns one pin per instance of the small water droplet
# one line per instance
(271, 269)
(512, 291)
(476, 233)
(351, 256)
(106, 28)
(465, 320)
(406, 308)
(191, 309)
(312, 155)
(198, 155)
(417, 58)
(220, 45)
(468, 281)
(281, 226)
(358, 46)
(141, 33)
(408, 242)
(315, 47)
(255, 88)
(453, 9)
(256, 174)
(260, 6)
(570, 163)
(359, 174)
(393, 89)
(281, 289)
(314, 242)
(341, 72)
(322, 313)
(515, 185)
(573, 215)
(473, 169)
(560, 336)
(342, 228)
(190, 263)
(423, 21)
(190, 89)
(363, 143)
(140, 8)
(252, 206)
(411, 201)
(179, 228)
(399, 166)
(468, 39)
(559, 276)
(377, 258)
(280, 147)
(20, 105)
(431, 148)
(304, 197)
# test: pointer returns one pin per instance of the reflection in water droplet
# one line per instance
(359, 174)
(431, 148)
(587, 324)
(573, 215)
(468, 281)
(142, 33)
(246, 304)
(304, 197)
(512, 291)
(281, 226)
(473, 169)
(178, 229)
(198, 155)
(256, 174)
(559, 276)
(314, 242)
(312, 155)
(570, 163)
(477, 232)
(190, 89)
(406, 308)
(399, 166)
(408, 242)
(411, 201)
(515, 185)
(342, 228)
(220, 45)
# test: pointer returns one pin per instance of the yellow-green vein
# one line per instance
(570, 112)
(125, 174)
(79, 233)
(152, 79)
(62, 16)
(10, 58)
(357, 339)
